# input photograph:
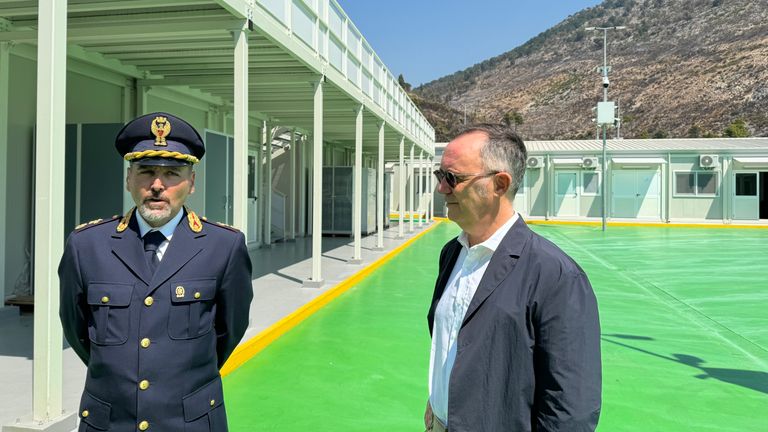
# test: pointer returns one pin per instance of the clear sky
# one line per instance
(428, 39)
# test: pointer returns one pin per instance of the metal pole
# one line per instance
(602, 180)
(381, 212)
(401, 189)
(605, 67)
(357, 186)
(317, 187)
(240, 159)
(421, 188)
(431, 190)
(411, 191)
(291, 235)
(48, 208)
(5, 51)
(268, 185)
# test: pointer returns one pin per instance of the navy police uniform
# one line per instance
(154, 342)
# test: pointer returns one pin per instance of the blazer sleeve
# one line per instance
(567, 364)
(73, 307)
(233, 300)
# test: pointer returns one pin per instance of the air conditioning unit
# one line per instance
(535, 162)
(589, 162)
(709, 161)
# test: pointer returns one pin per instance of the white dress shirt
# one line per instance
(166, 229)
(449, 315)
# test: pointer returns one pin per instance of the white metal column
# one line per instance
(240, 159)
(268, 186)
(431, 177)
(261, 200)
(5, 50)
(49, 209)
(411, 165)
(290, 235)
(303, 187)
(421, 188)
(380, 212)
(317, 187)
(357, 188)
(401, 191)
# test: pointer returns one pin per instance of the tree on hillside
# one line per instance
(513, 118)
(694, 131)
(737, 129)
(403, 83)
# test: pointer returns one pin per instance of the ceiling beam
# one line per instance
(253, 79)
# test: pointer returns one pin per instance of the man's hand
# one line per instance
(428, 417)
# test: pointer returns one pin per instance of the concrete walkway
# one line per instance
(278, 273)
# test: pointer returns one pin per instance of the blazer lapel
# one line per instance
(129, 248)
(184, 245)
(502, 263)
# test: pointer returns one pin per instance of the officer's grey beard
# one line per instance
(155, 216)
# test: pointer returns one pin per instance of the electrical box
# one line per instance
(606, 113)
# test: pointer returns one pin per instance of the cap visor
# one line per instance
(161, 162)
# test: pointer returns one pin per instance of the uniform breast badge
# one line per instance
(179, 291)
(161, 127)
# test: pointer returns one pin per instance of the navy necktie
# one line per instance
(152, 241)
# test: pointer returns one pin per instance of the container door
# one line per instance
(648, 194)
(566, 194)
(746, 202)
(624, 195)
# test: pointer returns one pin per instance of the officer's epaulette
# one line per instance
(220, 224)
(93, 223)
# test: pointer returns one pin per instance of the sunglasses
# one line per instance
(453, 179)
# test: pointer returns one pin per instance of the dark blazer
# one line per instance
(154, 344)
(528, 354)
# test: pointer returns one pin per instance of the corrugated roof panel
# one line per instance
(651, 145)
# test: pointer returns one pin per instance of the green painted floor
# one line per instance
(684, 315)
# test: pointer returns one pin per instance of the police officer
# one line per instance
(155, 301)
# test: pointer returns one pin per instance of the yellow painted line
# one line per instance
(406, 216)
(642, 224)
(247, 350)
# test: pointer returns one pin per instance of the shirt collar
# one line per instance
(493, 242)
(166, 229)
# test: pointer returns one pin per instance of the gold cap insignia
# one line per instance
(179, 291)
(161, 127)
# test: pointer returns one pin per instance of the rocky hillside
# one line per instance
(681, 68)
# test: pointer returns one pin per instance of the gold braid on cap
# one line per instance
(160, 153)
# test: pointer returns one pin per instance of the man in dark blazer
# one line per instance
(514, 322)
(155, 301)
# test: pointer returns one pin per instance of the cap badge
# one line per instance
(161, 127)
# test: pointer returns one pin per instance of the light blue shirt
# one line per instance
(166, 229)
(449, 314)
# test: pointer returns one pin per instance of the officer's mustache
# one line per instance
(155, 197)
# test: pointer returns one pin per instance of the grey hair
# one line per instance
(504, 152)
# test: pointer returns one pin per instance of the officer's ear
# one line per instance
(128, 172)
(192, 181)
